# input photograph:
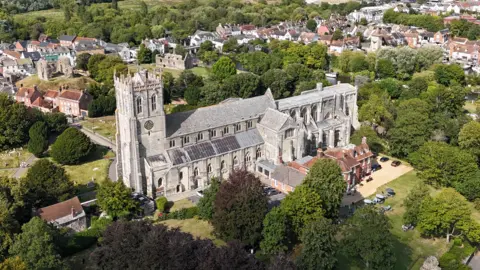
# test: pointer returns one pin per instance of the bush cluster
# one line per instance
(185, 213)
(161, 204)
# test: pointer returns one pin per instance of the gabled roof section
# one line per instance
(276, 120)
(218, 115)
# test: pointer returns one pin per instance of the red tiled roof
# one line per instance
(12, 53)
(59, 210)
(51, 94)
(25, 90)
(71, 94)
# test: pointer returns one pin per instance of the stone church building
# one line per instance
(167, 154)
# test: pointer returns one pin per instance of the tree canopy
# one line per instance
(38, 142)
(71, 147)
(116, 199)
(240, 207)
(206, 203)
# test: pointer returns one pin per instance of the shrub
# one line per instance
(85, 239)
(71, 147)
(452, 260)
(185, 213)
(161, 204)
(476, 203)
(38, 142)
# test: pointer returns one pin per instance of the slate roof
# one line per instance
(60, 210)
(217, 116)
(309, 97)
(67, 38)
(275, 120)
(214, 147)
(288, 175)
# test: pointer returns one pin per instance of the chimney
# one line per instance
(364, 140)
(21, 85)
(319, 86)
(35, 87)
(73, 212)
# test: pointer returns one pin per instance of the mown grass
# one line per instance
(196, 227)
(12, 158)
(104, 126)
(184, 203)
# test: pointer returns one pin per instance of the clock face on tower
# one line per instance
(148, 125)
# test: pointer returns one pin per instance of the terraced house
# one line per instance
(167, 154)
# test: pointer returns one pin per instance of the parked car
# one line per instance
(384, 159)
(396, 163)
(376, 167)
(200, 193)
(390, 191)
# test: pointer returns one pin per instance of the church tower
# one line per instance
(140, 125)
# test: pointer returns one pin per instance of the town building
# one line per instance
(167, 154)
(66, 214)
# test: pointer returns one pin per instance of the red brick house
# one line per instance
(27, 95)
(73, 102)
(354, 161)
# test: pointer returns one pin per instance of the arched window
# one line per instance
(222, 165)
(139, 105)
(195, 172)
(292, 114)
(160, 182)
(180, 175)
(314, 113)
(153, 100)
(247, 157)
(235, 161)
(209, 168)
(259, 153)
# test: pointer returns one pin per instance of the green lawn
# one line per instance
(196, 227)
(470, 107)
(80, 83)
(12, 158)
(7, 172)
(104, 126)
(184, 203)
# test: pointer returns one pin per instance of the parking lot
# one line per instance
(380, 178)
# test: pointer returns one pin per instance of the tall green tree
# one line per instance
(47, 184)
(38, 142)
(446, 214)
(312, 25)
(326, 179)
(242, 85)
(469, 138)
(71, 147)
(82, 61)
(15, 121)
(443, 165)
(448, 74)
(206, 203)
(302, 206)
(412, 128)
(375, 111)
(144, 55)
(224, 68)
(116, 199)
(36, 245)
(319, 246)
(367, 239)
(240, 207)
(413, 202)
(277, 232)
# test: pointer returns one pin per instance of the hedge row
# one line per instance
(184, 213)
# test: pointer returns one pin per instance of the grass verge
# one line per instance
(196, 227)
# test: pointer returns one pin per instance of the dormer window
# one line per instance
(172, 143)
(186, 139)
(238, 127)
(226, 130)
(249, 124)
(200, 136)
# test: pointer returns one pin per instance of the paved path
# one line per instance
(99, 139)
(380, 178)
(21, 171)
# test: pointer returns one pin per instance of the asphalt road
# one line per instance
(21, 171)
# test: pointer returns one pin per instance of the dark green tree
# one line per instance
(242, 85)
(116, 199)
(385, 68)
(447, 74)
(82, 61)
(71, 147)
(413, 202)
(375, 143)
(319, 246)
(277, 232)
(144, 55)
(15, 121)
(57, 122)
(224, 68)
(279, 83)
(325, 178)
(47, 184)
(206, 203)
(312, 25)
(415, 88)
(36, 245)
(240, 207)
(443, 165)
(302, 206)
(367, 239)
(337, 34)
(38, 142)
